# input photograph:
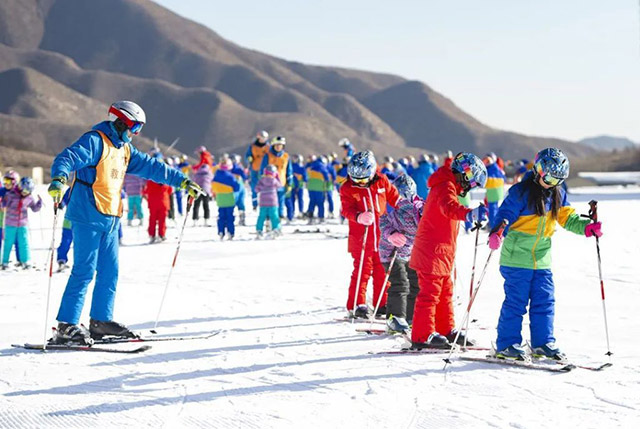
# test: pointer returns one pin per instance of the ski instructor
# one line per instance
(101, 158)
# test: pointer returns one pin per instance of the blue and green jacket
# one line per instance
(299, 176)
(527, 242)
(224, 184)
(495, 183)
(318, 175)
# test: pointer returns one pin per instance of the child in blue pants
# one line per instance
(267, 189)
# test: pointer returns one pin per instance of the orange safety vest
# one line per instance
(110, 173)
(258, 153)
(281, 163)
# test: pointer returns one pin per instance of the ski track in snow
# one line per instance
(281, 358)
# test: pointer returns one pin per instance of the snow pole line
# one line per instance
(472, 299)
(473, 274)
(593, 215)
(173, 264)
(364, 244)
(51, 250)
(384, 286)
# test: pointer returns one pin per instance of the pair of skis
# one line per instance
(102, 344)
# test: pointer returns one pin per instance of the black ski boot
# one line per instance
(67, 333)
(452, 336)
(362, 312)
(435, 341)
(99, 329)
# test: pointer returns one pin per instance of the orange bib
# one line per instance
(110, 173)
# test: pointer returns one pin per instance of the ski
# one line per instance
(360, 320)
(544, 361)
(145, 339)
(311, 231)
(70, 347)
(521, 364)
(409, 351)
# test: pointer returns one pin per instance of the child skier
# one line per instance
(158, 199)
(532, 209)
(9, 181)
(300, 180)
(203, 177)
(435, 248)
(224, 185)
(17, 202)
(267, 190)
(399, 228)
(133, 188)
(364, 197)
(318, 177)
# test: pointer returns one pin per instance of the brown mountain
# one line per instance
(63, 61)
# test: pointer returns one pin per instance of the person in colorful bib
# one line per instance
(101, 158)
(532, 209)
(255, 152)
(224, 186)
(280, 158)
(495, 185)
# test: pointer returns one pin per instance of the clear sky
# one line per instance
(562, 68)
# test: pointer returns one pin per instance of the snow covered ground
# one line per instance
(282, 360)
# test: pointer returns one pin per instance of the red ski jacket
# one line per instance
(374, 198)
(157, 195)
(435, 244)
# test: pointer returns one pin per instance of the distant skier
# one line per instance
(278, 156)
(495, 185)
(347, 147)
(203, 177)
(532, 208)
(133, 186)
(435, 248)
(364, 197)
(421, 174)
(398, 232)
(255, 152)
(158, 196)
(300, 179)
(224, 186)
(318, 177)
(101, 158)
(239, 172)
(267, 189)
(10, 180)
(16, 203)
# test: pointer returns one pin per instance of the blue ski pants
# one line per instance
(272, 214)
(135, 207)
(492, 209)
(329, 197)
(18, 236)
(524, 287)
(95, 254)
(15, 245)
(297, 196)
(225, 220)
(240, 196)
(316, 199)
(65, 243)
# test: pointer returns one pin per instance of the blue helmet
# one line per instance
(552, 165)
(26, 185)
(406, 186)
(362, 165)
(470, 170)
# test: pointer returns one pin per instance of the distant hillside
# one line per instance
(608, 143)
(62, 62)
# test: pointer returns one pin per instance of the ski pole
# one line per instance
(384, 285)
(173, 264)
(364, 244)
(474, 294)
(593, 215)
(51, 250)
(473, 273)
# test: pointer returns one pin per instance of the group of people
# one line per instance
(391, 227)
(403, 219)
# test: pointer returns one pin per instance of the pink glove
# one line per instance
(593, 229)
(495, 240)
(365, 218)
(398, 239)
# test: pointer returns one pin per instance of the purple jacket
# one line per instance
(16, 208)
(404, 219)
(133, 185)
(267, 189)
(203, 177)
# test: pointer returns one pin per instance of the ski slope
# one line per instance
(283, 361)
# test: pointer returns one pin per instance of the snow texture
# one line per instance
(282, 359)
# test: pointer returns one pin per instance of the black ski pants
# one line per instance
(403, 289)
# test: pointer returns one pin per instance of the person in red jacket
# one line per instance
(435, 248)
(364, 197)
(159, 200)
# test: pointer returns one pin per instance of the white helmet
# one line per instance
(263, 135)
(130, 113)
(344, 142)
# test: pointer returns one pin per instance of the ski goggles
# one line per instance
(136, 127)
(361, 181)
(547, 178)
(6, 181)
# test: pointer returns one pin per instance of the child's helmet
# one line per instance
(201, 149)
(26, 185)
(362, 165)
(470, 171)
(344, 142)
(262, 135)
(278, 140)
(299, 159)
(406, 186)
(552, 165)
(13, 176)
(270, 170)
